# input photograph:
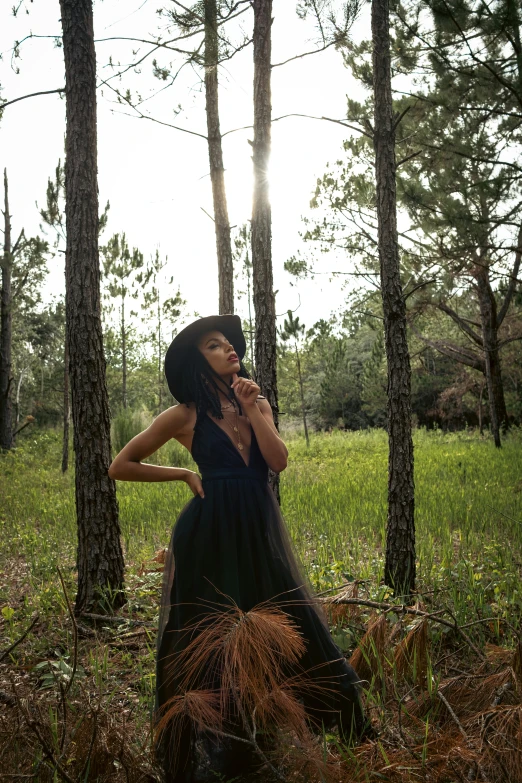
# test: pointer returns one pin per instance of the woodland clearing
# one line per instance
(443, 677)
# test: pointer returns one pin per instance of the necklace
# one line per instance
(236, 430)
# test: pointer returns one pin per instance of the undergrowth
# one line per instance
(443, 685)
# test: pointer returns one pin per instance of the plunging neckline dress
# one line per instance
(235, 541)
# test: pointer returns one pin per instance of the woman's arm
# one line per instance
(127, 465)
(271, 445)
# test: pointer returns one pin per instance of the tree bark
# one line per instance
(488, 318)
(302, 396)
(6, 379)
(123, 354)
(480, 418)
(251, 331)
(215, 154)
(66, 406)
(263, 282)
(17, 399)
(99, 557)
(160, 373)
(400, 535)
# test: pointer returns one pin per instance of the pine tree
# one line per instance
(399, 570)
(6, 421)
(243, 264)
(53, 217)
(293, 330)
(100, 558)
(23, 269)
(161, 313)
(264, 297)
(206, 22)
(120, 269)
(373, 380)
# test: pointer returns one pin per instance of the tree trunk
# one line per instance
(160, 374)
(17, 398)
(302, 396)
(480, 417)
(6, 379)
(66, 406)
(263, 284)
(215, 154)
(99, 557)
(123, 355)
(488, 319)
(251, 332)
(400, 536)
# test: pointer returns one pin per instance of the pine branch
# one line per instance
(31, 95)
(454, 352)
(508, 340)
(309, 117)
(142, 116)
(512, 282)
(304, 54)
(482, 63)
(461, 323)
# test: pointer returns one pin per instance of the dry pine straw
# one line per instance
(467, 728)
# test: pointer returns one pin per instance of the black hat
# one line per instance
(175, 358)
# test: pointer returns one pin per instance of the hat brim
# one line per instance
(229, 325)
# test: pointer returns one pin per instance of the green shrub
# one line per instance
(126, 424)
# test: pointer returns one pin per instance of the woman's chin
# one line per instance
(233, 367)
(227, 374)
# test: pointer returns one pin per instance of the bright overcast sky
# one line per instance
(156, 178)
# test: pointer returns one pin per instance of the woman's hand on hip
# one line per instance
(194, 481)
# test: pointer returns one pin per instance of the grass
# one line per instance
(468, 506)
(469, 551)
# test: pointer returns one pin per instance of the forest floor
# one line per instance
(443, 676)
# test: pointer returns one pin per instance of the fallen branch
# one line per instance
(402, 609)
(22, 637)
(128, 637)
(108, 618)
(461, 729)
(82, 775)
(6, 698)
(85, 631)
(75, 640)
(36, 730)
(28, 420)
(251, 732)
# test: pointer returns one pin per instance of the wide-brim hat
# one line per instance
(175, 358)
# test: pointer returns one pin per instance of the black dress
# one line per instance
(235, 539)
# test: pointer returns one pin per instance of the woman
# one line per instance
(230, 541)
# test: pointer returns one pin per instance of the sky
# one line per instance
(157, 178)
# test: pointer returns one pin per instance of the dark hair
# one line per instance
(199, 385)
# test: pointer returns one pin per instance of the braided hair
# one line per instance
(199, 385)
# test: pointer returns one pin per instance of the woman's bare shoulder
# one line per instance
(171, 423)
(178, 419)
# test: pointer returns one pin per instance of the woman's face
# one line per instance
(219, 353)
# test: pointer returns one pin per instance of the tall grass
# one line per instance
(468, 508)
(469, 553)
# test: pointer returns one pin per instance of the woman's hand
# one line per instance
(246, 390)
(194, 481)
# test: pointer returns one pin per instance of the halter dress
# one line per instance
(233, 545)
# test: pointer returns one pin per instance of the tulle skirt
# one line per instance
(231, 551)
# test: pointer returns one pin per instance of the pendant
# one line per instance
(240, 446)
(236, 429)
